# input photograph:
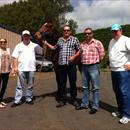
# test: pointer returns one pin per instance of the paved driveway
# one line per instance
(44, 115)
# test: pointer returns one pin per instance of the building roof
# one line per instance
(10, 29)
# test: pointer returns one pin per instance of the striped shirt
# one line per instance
(92, 52)
(67, 48)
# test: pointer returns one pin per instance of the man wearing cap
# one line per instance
(24, 66)
(119, 57)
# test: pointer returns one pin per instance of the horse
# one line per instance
(48, 32)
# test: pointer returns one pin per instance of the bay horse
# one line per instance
(48, 32)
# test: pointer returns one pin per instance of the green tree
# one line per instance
(73, 25)
(31, 14)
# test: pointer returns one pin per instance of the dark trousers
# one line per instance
(3, 84)
(70, 71)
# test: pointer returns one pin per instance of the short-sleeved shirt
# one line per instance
(5, 61)
(67, 48)
(26, 55)
(92, 52)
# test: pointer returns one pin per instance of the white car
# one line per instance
(43, 64)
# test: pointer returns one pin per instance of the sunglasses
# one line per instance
(2, 41)
(115, 31)
(66, 30)
(88, 33)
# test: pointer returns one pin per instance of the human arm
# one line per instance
(72, 58)
(101, 50)
(39, 50)
(77, 48)
(15, 66)
(49, 45)
(14, 60)
(127, 44)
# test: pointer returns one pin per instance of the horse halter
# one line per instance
(46, 29)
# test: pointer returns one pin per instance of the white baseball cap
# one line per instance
(26, 32)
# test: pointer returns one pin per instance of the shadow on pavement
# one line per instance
(107, 107)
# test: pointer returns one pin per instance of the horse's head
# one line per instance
(46, 29)
(47, 32)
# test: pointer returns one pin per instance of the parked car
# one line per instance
(43, 64)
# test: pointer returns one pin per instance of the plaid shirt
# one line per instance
(67, 48)
(92, 52)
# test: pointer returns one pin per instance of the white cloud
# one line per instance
(101, 13)
(2, 2)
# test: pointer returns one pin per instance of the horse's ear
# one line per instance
(45, 24)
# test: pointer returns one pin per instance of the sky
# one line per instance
(6, 1)
(97, 13)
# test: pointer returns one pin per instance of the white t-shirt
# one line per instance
(119, 53)
(26, 55)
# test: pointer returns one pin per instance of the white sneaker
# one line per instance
(124, 120)
(116, 114)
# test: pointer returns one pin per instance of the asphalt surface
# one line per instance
(44, 115)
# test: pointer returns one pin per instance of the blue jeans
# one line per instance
(69, 70)
(121, 88)
(29, 77)
(90, 74)
(83, 79)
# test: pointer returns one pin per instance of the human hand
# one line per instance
(127, 66)
(12, 73)
(45, 42)
(71, 59)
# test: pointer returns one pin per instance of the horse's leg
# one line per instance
(56, 70)
(79, 64)
(55, 57)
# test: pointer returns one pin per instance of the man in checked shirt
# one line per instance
(92, 52)
(67, 46)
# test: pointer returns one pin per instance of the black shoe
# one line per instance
(93, 111)
(61, 104)
(16, 104)
(81, 108)
(30, 102)
(74, 103)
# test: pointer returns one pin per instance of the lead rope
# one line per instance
(44, 54)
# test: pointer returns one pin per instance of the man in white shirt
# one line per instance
(24, 66)
(119, 57)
